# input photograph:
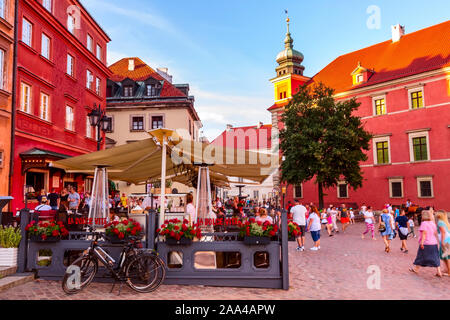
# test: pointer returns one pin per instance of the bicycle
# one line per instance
(142, 270)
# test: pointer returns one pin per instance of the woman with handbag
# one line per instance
(401, 223)
(386, 230)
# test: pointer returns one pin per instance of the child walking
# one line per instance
(411, 227)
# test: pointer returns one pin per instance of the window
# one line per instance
(25, 101)
(88, 128)
(2, 155)
(128, 91)
(396, 187)
(425, 187)
(47, 4)
(2, 9)
(98, 86)
(89, 79)
(420, 148)
(416, 99)
(256, 194)
(2, 69)
(89, 43)
(382, 152)
(380, 106)
(190, 128)
(71, 23)
(69, 118)
(44, 109)
(298, 191)
(27, 32)
(151, 91)
(137, 123)
(157, 122)
(70, 62)
(99, 52)
(359, 78)
(45, 46)
(342, 190)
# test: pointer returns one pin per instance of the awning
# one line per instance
(140, 161)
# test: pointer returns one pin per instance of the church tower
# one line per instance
(289, 77)
(289, 71)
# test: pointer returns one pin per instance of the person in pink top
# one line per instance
(428, 253)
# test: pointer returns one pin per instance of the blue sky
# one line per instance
(226, 49)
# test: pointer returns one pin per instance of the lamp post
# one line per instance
(98, 119)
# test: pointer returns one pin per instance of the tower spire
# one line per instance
(288, 41)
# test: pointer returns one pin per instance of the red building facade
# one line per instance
(404, 90)
(62, 73)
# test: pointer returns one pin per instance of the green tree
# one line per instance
(322, 139)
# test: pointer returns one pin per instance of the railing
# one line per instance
(218, 259)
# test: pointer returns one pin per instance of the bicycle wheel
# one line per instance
(88, 267)
(144, 273)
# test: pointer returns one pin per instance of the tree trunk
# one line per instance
(320, 196)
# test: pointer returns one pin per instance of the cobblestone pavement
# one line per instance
(337, 271)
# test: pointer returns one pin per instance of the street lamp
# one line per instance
(98, 118)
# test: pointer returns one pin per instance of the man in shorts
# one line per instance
(299, 216)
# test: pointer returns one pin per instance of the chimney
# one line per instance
(164, 72)
(130, 64)
(260, 124)
(229, 127)
(398, 32)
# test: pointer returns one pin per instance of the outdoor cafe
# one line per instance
(224, 257)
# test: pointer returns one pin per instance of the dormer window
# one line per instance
(128, 91)
(152, 91)
(361, 75)
(359, 78)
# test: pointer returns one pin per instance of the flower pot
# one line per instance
(34, 238)
(115, 239)
(182, 241)
(8, 257)
(252, 240)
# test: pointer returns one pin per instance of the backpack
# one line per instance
(382, 227)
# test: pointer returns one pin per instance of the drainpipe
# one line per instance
(14, 98)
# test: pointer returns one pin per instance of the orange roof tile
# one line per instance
(142, 72)
(424, 50)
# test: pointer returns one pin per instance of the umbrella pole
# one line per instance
(163, 182)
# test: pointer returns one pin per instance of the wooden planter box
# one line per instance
(251, 240)
(34, 238)
(8, 257)
(182, 241)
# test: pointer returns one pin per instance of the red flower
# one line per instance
(181, 233)
(185, 221)
(121, 235)
(172, 234)
(193, 232)
(157, 231)
(272, 233)
(116, 231)
(55, 233)
(176, 228)
(259, 223)
(133, 232)
(125, 222)
(166, 221)
(184, 227)
(44, 237)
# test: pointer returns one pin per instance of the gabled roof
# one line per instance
(142, 72)
(421, 51)
(266, 129)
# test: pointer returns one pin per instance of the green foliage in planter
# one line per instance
(44, 263)
(10, 237)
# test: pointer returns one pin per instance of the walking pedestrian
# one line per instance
(411, 226)
(369, 219)
(352, 216)
(314, 227)
(299, 216)
(334, 216)
(385, 227)
(444, 238)
(401, 223)
(344, 217)
(428, 253)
